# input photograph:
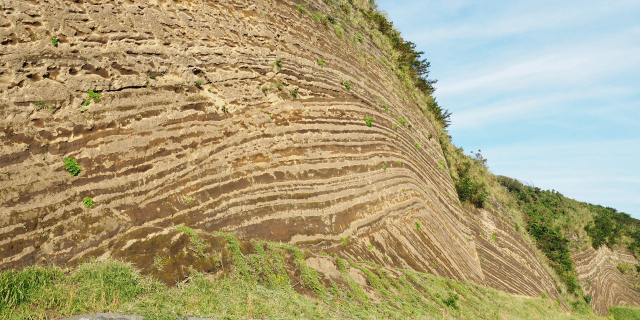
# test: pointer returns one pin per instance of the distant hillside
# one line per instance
(584, 241)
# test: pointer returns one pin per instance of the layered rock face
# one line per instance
(601, 279)
(237, 116)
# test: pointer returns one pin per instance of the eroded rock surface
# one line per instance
(198, 124)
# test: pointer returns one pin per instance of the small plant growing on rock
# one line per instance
(402, 122)
(359, 37)
(386, 108)
(54, 41)
(198, 84)
(368, 121)
(344, 241)
(225, 109)
(294, 93)
(418, 226)
(88, 202)
(40, 104)
(91, 95)
(384, 167)
(278, 64)
(72, 166)
(346, 85)
(417, 145)
(587, 299)
(321, 63)
(370, 246)
(152, 76)
(543, 295)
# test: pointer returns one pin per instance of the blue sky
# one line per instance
(548, 90)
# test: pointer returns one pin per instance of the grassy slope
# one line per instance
(272, 281)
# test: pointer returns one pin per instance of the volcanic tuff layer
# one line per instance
(218, 115)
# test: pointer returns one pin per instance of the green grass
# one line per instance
(40, 104)
(196, 245)
(622, 313)
(72, 166)
(271, 280)
(338, 30)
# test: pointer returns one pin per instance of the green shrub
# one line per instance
(418, 226)
(451, 300)
(587, 299)
(54, 41)
(88, 202)
(321, 63)
(359, 37)
(294, 93)
(543, 295)
(72, 166)
(198, 84)
(402, 122)
(417, 145)
(368, 121)
(346, 85)
(470, 190)
(384, 167)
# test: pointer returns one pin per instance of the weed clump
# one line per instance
(368, 121)
(72, 166)
(88, 202)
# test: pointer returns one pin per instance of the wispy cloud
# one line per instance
(548, 90)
